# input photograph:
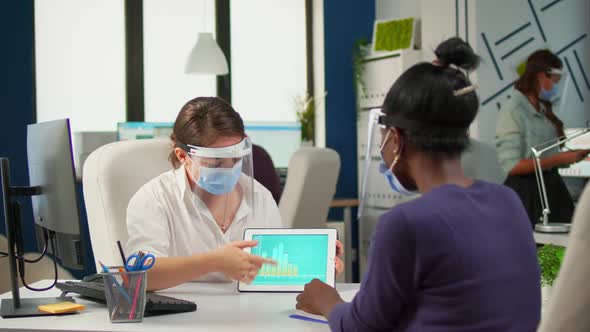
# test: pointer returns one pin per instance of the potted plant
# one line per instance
(550, 258)
(305, 111)
(359, 53)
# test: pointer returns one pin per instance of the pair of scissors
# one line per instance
(140, 262)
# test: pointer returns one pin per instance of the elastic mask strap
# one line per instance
(396, 159)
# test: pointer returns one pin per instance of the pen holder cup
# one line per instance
(125, 294)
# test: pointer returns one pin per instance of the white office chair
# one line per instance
(481, 162)
(112, 175)
(310, 187)
(570, 300)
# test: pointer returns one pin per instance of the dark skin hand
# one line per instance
(311, 287)
(318, 298)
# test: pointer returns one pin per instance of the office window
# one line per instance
(268, 61)
(80, 62)
(170, 30)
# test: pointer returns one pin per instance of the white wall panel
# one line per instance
(80, 62)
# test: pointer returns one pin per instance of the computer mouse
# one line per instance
(93, 278)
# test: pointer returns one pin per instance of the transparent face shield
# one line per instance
(224, 180)
(561, 82)
(375, 191)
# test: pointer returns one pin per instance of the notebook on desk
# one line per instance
(156, 304)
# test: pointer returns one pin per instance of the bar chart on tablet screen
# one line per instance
(300, 258)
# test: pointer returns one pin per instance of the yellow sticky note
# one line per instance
(62, 307)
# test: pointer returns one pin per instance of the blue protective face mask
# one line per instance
(549, 95)
(219, 181)
(393, 181)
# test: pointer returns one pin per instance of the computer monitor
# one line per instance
(279, 139)
(143, 130)
(51, 167)
(55, 209)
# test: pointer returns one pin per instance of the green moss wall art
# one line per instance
(393, 35)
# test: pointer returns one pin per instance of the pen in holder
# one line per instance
(125, 294)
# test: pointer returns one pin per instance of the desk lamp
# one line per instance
(545, 226)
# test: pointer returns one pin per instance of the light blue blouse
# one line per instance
(518, 128)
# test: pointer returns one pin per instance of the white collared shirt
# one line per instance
(166, 218)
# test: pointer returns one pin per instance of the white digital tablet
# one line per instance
(301, 255)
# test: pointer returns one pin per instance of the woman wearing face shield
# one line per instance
(528, 121)
(193, 216)
(461, 257)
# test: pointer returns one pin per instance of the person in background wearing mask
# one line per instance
(529, 121)
(461, 257)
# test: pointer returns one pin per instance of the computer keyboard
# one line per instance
(156, 304)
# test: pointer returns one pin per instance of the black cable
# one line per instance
(46, 238)
(5, 254)
(22, 273)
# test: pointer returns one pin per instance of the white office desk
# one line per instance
(219, 308)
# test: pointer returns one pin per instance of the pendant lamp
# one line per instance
(206, 57)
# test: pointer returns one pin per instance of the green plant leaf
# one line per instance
(305, 112)
(550, 259)
(359, 52)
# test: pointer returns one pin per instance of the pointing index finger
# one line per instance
(261, 260)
